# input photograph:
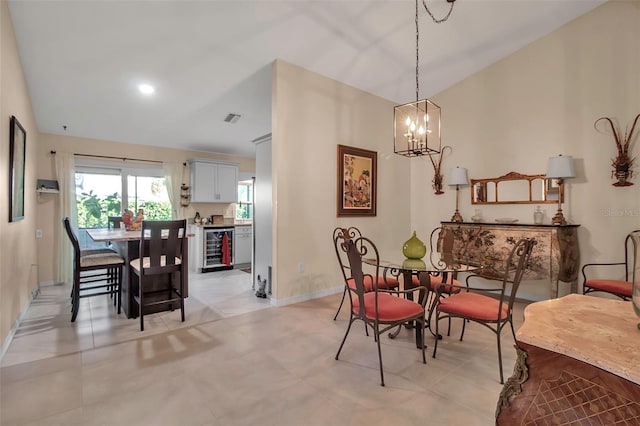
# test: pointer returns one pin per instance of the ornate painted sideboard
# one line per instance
(555, 257)
(577, 365)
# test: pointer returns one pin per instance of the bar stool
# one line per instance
(161, 243)
(94, 274)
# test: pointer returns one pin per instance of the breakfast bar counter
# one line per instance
(578, 363)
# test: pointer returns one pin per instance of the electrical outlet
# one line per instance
(38, 233)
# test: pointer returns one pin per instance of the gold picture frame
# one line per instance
(357, 181)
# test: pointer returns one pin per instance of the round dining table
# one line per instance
(433, 264)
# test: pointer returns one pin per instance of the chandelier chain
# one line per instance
(437, 21)
(417, 54)
(441, 20)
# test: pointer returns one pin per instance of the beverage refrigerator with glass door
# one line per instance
(217, 249)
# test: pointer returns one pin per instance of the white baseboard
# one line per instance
(14, 328)
(305, 297)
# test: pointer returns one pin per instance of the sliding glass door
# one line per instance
(103, 190)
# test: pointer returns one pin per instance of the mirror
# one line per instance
(515, 188)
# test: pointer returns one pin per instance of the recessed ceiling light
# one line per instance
(146, 89)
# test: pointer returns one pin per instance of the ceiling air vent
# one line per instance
(232, 118)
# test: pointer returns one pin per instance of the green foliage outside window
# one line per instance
(244, 211)
(154, 210)
(94, 212)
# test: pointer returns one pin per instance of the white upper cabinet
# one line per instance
(213, 181)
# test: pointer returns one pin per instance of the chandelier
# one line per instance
(417, 124)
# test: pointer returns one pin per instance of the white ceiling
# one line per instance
(84, 59)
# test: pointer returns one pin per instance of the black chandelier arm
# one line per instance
(436, 20)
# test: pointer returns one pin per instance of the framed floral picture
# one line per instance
(357, 175)
(17, 147)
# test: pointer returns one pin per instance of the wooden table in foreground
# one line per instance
(578, 364)
(127, 244)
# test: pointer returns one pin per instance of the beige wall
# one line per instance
(312, 114)
(48, 219)
(543, 101)
(538, 102)
(18, 259)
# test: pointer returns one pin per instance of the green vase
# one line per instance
(414, 248)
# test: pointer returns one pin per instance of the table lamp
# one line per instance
(458, 177)
(560, 168)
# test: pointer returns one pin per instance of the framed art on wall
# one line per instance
(357, 175)
(17, 147)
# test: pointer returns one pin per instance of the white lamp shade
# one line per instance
(458, 176)
(560, 167)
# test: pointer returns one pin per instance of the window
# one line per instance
(103, 190)
(244, 207)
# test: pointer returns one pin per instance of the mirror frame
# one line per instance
(550, 189)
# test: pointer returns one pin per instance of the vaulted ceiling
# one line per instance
(83, 60)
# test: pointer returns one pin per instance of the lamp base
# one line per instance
(457, 217)
(558, 219)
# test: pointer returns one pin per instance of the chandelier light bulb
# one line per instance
(426, 118)
(421, 130)
(412, 126)
(408, 122)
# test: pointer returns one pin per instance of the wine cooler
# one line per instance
(217, 249)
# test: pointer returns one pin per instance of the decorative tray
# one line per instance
(506, 220)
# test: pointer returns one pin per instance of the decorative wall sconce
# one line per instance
(622, 164)
(437, 175)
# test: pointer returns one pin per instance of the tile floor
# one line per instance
(238, 361)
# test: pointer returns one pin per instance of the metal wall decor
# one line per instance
(622, 164)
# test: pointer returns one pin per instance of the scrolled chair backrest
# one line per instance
(356, 250)
(340, 235)
(516, 265)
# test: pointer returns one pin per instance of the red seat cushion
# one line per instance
(611, 286)
(390, 308)
(368, 283)
(473, 305)
(437, 280)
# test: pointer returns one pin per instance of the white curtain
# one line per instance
(173, 180)
(65, 174)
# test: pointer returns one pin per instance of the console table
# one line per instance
(555, 257)
(577, 365)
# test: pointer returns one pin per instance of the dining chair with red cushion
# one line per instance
(489, 306)
(380, 308)
(620, 286)
(440, 241)
(340, 235)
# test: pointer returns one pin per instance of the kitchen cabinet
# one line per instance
(213, 181)
(243, 244)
